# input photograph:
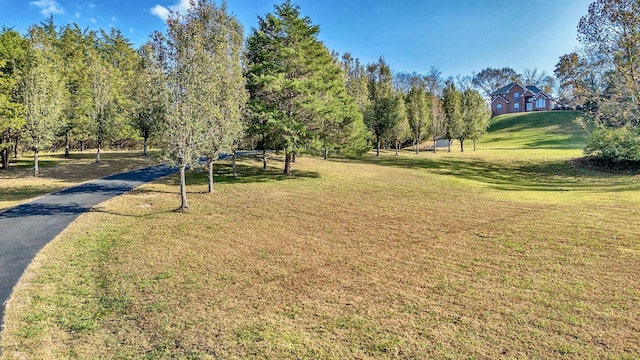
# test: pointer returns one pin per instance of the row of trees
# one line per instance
(73, 84)
(200, 90)
(604, 75)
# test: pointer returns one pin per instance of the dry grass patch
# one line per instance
(348, 260)
(58, 172)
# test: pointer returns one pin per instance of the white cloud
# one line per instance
(48, 7)
(114, 19)
(77, 15)
(93, 20)
(163, 13)
(131, 30)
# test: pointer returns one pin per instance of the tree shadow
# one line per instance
(548, 175)
(248, 171)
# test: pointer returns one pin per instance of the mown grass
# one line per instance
(492, 254)
(59, 172)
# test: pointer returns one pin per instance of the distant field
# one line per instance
(505, 252)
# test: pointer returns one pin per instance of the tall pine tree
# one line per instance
(297, 95)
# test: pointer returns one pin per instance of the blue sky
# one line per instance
(457, 36)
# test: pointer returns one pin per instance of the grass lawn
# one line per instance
(58, 172)
(498, 253)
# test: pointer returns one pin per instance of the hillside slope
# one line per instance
(541, 130)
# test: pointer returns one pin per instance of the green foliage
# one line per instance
(149, 94)
(610, 33)
(452, 106)
(381, 116)
(74, 46)
(297, 91)
(418, 113)
(615, 144)
(12, 58)
(42, 92)
(476, 115)
(401, 131)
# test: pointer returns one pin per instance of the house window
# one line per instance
(516, 96)
(540, 104)
(516, 106)
(499, 107)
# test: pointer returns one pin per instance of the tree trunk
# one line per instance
(66, 144)
(36, 170)
(264, 159)
(435, 145)
(397, 146)
(144, 146)
(449, 146)
(210, 176)
(15, 148)
(474, 144)
(417, 146)
(98, 157)
(287, 164)
(235, 171)
(293, 157)
(5, 158)
(461, 145)
(183, 189)
(378, 146)
(326, 153)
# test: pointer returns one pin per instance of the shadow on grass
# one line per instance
(248, 171)
(542, 130)
(551, 175)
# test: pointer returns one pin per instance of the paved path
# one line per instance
(27, 228)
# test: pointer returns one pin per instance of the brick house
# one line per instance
(515, 98)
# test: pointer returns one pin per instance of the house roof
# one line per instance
(500, 97)
(504, 90)
(533, 89)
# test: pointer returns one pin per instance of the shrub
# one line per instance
(615, 144)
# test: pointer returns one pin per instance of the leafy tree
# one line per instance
(103, 108)
(73, 47)
(226, 88)
(610, 33)
(293, 81)
(200, 60)
(452, 105)
(12, 58)
(149, 95)
(42, 93)
(381, 117)
(438, 123)
(121, 59)
(400, 131)
(490, 80)
(571, 72)
(356, 81)
(476, 116)
(418, 114)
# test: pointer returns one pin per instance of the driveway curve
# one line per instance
(27, 228)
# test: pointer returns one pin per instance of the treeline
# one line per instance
(604, 76)
(199, 90)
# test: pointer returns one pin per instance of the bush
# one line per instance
(615, 144)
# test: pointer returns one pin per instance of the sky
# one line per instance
(459, 37)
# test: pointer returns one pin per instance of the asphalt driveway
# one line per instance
(27, 228)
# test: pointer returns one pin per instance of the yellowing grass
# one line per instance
(57, 172)
(474, 255)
